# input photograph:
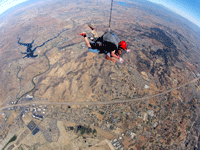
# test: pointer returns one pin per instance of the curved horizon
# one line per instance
(188, 9)
(9, 4)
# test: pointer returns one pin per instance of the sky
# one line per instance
(189, 9)
(6, 4)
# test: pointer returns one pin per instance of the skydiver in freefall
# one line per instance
(29, 52)
(109, 43)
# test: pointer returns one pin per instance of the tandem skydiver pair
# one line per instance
(109, 44)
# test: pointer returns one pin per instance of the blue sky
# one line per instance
(6, 4)
(189, 9)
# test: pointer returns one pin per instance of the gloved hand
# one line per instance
(128, 50)
(121, 60)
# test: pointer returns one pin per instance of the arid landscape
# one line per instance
(67, 98)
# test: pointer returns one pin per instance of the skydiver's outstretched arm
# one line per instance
(108, 58)
(114, 55)
(118, 57)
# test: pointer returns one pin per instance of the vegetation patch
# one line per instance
(11, 140)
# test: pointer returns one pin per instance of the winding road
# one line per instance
(99, 102)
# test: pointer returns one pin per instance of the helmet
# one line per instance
(122, 44)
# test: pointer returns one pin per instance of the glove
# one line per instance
(121, 60)
(128, 50)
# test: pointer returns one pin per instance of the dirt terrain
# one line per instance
(161, 72)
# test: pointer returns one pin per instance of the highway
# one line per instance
(99, 102)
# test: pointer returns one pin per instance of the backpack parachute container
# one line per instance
(109, 37)
(107, 42)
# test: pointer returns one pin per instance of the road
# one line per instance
(99, 102)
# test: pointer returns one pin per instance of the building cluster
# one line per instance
(116, 144)
(33, 127)
(38, 112)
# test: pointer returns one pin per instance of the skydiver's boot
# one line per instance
(83, 34)
(90, 26)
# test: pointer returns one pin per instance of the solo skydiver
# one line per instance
(108, 43)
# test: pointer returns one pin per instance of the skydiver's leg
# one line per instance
(87, 42)
(90, 49)
(93, 31)
(86, 39)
